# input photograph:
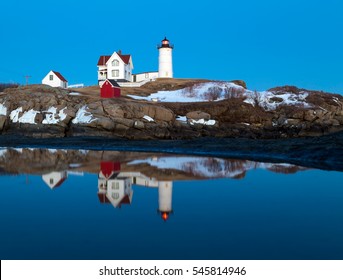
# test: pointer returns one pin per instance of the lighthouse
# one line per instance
(165, 59)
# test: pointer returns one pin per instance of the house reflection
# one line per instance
(55, 179)
(112, 187)
(115, 187)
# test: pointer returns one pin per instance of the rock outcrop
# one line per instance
(42, 111)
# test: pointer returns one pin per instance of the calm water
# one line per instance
(64, 204)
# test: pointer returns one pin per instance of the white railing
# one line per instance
(76, 86)
(133, 84)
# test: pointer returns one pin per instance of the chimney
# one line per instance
(119, 52)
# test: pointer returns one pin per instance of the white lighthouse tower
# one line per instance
(165, 59)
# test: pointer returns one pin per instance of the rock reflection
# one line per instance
(118, 172)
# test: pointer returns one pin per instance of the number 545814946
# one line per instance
(208, 270)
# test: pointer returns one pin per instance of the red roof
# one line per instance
(104, 58)
(124, 57)
(60, 182)
(58, 74)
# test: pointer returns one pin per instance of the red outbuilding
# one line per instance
(110, 89)
(108, 168)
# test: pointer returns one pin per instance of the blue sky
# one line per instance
(265, 43)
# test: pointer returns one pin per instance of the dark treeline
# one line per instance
(7, 85)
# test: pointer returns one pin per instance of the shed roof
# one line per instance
(112, 82)
(59, 75)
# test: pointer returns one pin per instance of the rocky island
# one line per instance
(222, 109)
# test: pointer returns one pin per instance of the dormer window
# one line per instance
(115, 62)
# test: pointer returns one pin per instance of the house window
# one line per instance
(51, 181)
(115, 195)
(115, 185)
(115, 62)
(51, 77)
(115, 73)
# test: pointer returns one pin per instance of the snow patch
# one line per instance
(74, 93)
(149, 119)
(3, 152)
(28, 117)
(215, 91)
(3, 110)
(333, 98)
(198, 166)
(84, 152)
(207, 167)
(269, 100)
(202, 121)
(51, 116)
(210, 91)
(83, 116)
(14, 116)
(181, 118)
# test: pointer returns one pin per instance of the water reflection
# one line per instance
(54, 202)
(119, 171)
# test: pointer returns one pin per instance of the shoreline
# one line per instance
(325, 152)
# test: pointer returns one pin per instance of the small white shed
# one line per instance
(55, 79)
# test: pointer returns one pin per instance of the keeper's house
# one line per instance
(116, 67)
